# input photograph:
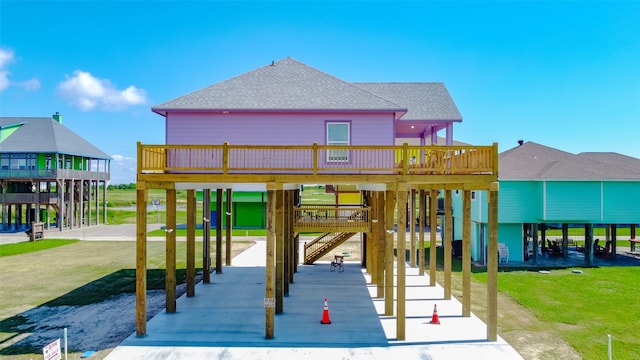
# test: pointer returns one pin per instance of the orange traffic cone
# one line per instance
(325, 314)
(434, 318)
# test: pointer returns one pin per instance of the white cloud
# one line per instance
(123, 169)
(87, 92)
(4, 80)
(7, 57)
(30, 85)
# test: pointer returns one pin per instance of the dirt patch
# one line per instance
(98, 326)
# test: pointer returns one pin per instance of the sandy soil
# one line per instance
(99, 327)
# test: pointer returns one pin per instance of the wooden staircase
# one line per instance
(323, 244)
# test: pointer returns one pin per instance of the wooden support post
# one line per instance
(141, 258)
(492, 266)
(534, 230)
(170, 275)
(412, 227)
(466, 253)
(279, 251)
(296, 238)
(366, 257)
(614, 241)
(588, 245)
(219, 225)
(380, 245)
(286, 240)
(390, 206)
(402, 261)
(565, 240)
(72, 204)
(206, 236)
(422, 204)
(447, 240)
(229, 227)
(433, 226)
(543, 235)
(373, 241)
(191, 243)
(289, 238)
(269, 298)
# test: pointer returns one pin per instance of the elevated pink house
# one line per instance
(290, 103)
(287, 124)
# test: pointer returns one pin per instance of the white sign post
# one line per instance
(156, 202)
(52, 351)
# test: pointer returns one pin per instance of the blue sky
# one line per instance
(563, 74)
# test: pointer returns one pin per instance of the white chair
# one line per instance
(503, 252)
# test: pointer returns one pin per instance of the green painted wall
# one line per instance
(6, 131)
(250, 215)
(248, 208)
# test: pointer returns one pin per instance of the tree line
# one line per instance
(130, 186)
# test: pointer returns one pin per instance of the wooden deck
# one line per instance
(477, 165)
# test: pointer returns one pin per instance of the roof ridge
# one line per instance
(342, 80)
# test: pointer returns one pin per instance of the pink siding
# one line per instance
(275, 128)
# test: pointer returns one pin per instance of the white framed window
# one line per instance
(338, 133)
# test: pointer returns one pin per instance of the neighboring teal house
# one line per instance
(544, 187)
(49, 174)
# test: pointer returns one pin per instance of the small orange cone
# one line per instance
(434, 318)
(325, 314)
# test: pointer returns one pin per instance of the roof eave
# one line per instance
(163, 111)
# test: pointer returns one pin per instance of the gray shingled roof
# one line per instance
(532, 161)
(424, 101)
(45, 135)
(284, 85)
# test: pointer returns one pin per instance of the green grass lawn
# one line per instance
(580, 308)
(32, 246)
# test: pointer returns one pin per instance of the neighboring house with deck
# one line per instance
(542, 187)
(49, 174)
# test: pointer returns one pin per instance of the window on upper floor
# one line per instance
(338, 134)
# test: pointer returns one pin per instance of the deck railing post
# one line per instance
(140, 158)
(495, 159)
(315, 158)
(225, 158)
(405, 158)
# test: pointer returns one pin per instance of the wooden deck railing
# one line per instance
(317, 159)
(322, 218)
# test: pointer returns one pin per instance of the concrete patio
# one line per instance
(225, 320)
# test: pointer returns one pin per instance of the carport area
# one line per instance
(226, 320)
